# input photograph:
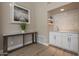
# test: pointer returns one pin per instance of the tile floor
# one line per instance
(39, 50)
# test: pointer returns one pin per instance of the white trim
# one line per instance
(12, 14)
(41, 38)
(20, 6)
(28, 42)
(43, 43)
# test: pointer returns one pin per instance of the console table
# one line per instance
(5, 39)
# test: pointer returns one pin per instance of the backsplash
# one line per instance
(66, 21)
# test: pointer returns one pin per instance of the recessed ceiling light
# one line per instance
(10, 4)
(61, 9)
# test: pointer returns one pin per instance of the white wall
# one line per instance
(41, 17)
(41, 21)
(67, 21)
(9, 28)
(30, 6)
(7, 25)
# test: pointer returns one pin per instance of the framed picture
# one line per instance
(21, 14)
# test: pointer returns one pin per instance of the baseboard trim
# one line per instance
(28, 42)
(43, 43)
(41, 39)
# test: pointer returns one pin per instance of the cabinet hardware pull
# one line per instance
(54, 37)
(69, 39)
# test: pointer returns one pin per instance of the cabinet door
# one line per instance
(65, 43)
(70, 46)
(52, 38)
(59, 40)
(74, 42)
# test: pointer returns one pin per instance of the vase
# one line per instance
(22, 31)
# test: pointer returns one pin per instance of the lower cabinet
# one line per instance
(58, 41)
(52, 38)
(68, 41)
(74, 42)
(65, 43)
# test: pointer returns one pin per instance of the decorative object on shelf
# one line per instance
(51, 17)
(50, 22)
(23, 27)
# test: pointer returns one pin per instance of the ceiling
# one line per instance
(71, 6)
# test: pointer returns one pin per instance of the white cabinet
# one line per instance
(52, 38)
(58, 40)
(68, 41)
(55, 39)
(65, 43)
(73, 42)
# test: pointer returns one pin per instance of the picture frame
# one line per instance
(20, 14)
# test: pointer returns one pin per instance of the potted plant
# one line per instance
(23, 27)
